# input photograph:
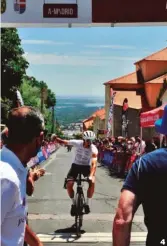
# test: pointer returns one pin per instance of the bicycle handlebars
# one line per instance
(76, 180)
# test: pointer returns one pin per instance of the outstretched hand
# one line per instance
(37, 173)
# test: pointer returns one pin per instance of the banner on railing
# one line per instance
(43, 154)
(107, 158)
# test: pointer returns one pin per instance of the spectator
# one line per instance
(150, 146)
(33, 175)
(145, 184)
(140, 145)
(25, 134)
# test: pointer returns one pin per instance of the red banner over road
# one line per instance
(129, 11)
(147, 119)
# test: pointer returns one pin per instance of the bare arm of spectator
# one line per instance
(31, 178)
(31, 238)
(128, 204)
(30, 185)
(123, 219)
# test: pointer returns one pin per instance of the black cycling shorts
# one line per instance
(76, 169)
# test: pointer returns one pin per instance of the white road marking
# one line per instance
(87, 237)
(97, 217)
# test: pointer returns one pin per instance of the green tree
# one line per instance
(31, 97)
(30, 94)
(13, 72)
(77, 136)
(13, 63)
(51, 99)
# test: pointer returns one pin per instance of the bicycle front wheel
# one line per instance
(79, 213)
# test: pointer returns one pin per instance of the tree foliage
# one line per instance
(30, 94)
(51, 97)
(31, 97)
(77, 136)
(13, 73)
(13, 63)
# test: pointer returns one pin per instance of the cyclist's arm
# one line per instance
(93, 164)
(62, 141)
(73, 142)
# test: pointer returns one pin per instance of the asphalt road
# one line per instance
(49, 208)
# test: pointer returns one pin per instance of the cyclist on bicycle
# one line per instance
(85, 162)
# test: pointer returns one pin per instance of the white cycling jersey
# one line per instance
(83, 155)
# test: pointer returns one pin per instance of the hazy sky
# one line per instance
(77, 61)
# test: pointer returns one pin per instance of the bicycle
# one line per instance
(79, 202)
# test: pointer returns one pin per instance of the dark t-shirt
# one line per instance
(148, 180)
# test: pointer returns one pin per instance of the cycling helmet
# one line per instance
(89, 135)
(161, 124)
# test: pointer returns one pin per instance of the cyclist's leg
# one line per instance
(91, 188)
(86, 173)
(72, 174)
(90, 191)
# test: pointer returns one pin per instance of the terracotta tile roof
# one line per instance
(158, 80)
(134, 101)
(103, 116)
(99, 112)
(88, 119)
(130, 78)
(160, 55)
(88, 124)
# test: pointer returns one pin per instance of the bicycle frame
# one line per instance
(79, 184)
(80, 200)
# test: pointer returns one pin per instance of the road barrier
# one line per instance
(118, 162)
(43, 154)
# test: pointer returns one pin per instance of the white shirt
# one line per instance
(140, 147)
(13, 199)
(83, 155)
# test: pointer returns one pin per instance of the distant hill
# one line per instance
(75, 109)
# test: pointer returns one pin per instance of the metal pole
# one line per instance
(113, 120)
(141, 136)
(42, 99)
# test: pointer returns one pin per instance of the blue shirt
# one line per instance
(13, 177)
(147, 179)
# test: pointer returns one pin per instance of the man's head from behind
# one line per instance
(25, 130)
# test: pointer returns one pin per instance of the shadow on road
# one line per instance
(68, 233)
(71, 229)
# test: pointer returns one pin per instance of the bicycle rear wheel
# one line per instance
(79, 213)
